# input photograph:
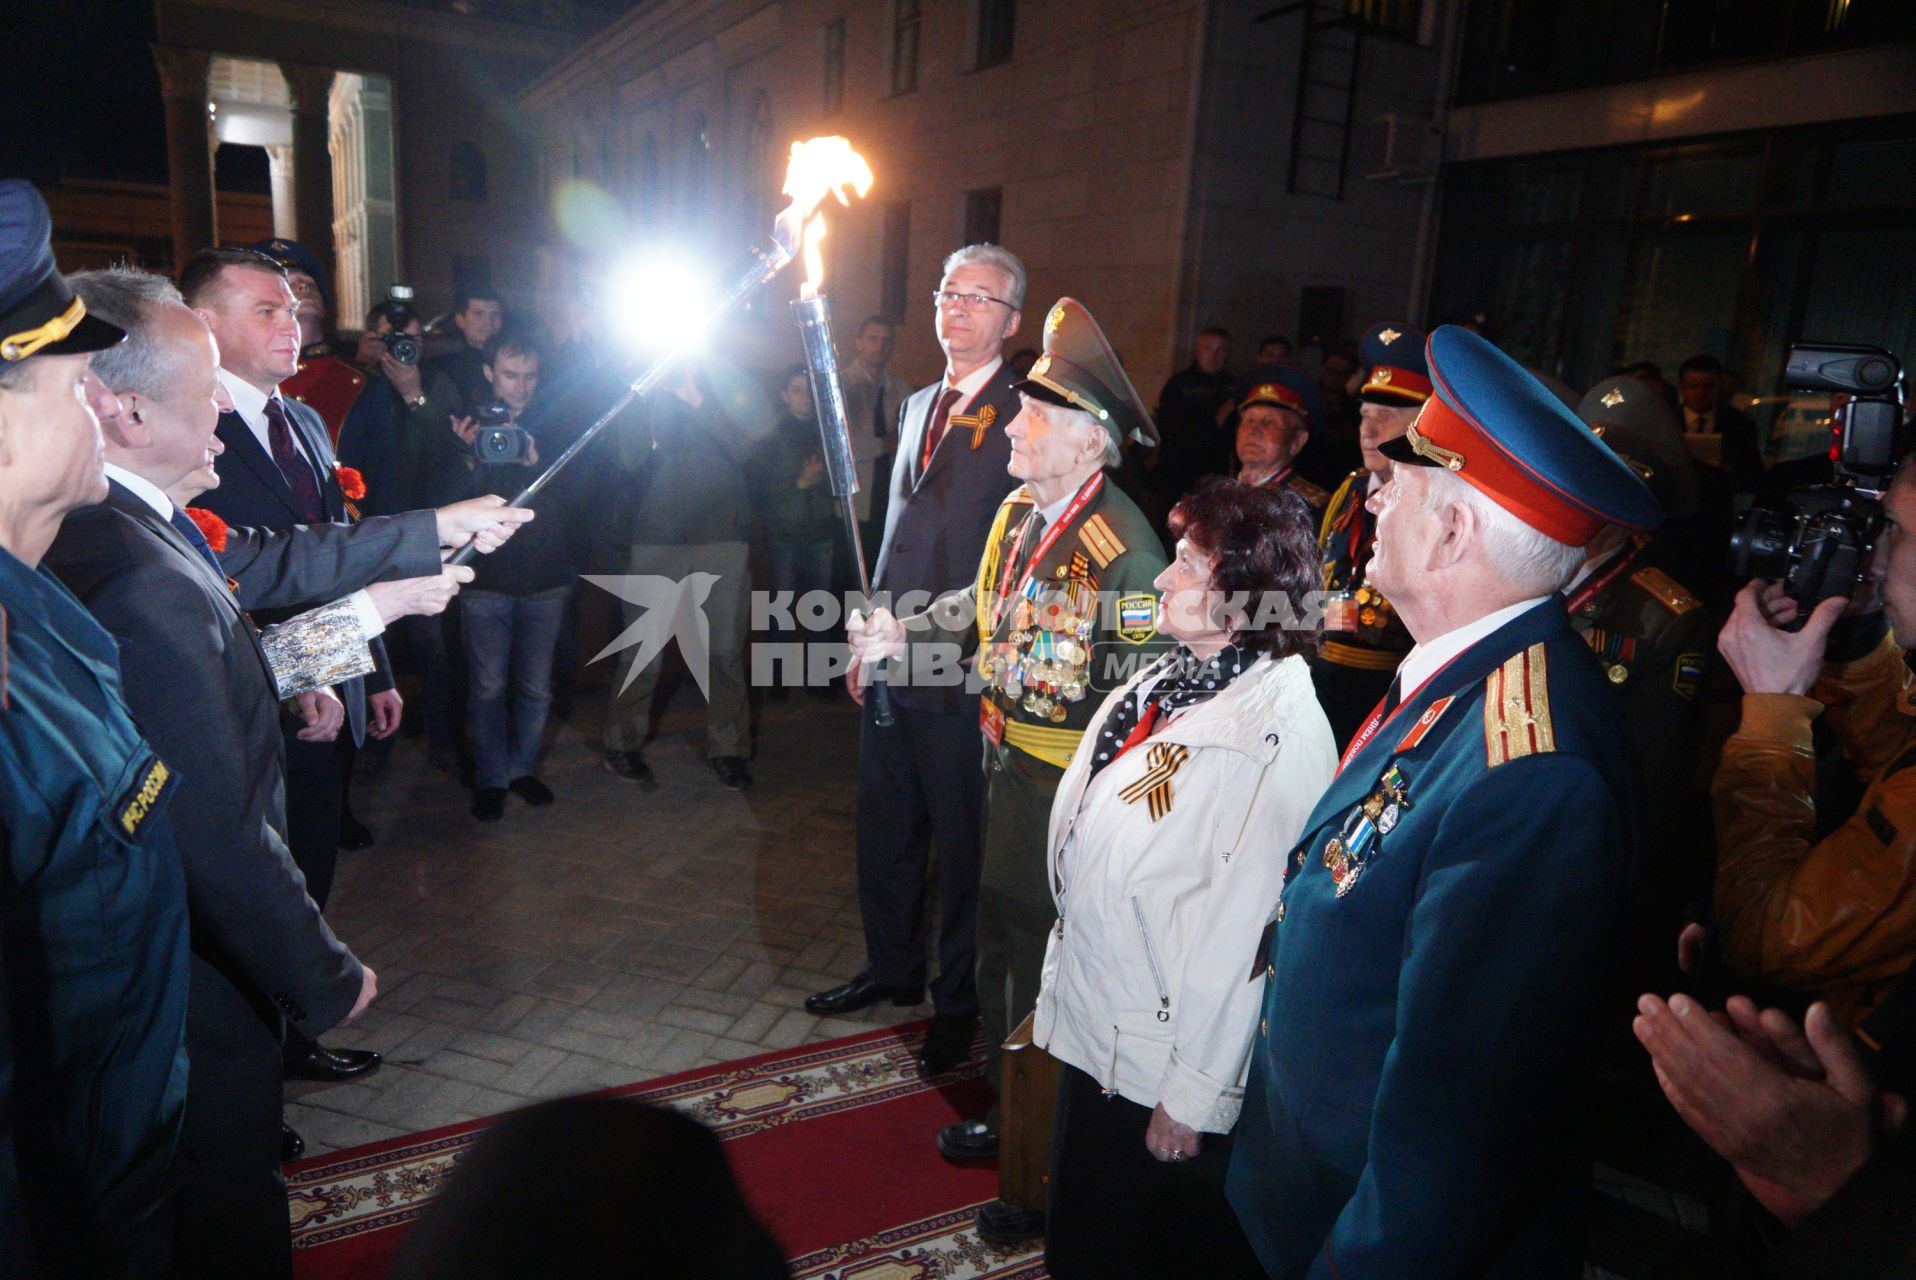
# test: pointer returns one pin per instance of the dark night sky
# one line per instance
(80, 97)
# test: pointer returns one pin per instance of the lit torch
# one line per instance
(819, 167)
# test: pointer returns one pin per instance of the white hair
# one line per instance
(1529, 560)
(998, 258)
(133, 300)
(1087, 424)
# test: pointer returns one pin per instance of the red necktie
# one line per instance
(940, 419)
(292, 464)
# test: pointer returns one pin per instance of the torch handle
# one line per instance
(764, 262)
(875, 686)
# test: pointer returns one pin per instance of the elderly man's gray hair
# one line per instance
(133, 300)
(995, 256)
(1088, 427)
(1533, 562)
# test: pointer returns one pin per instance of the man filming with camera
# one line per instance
(510, 621)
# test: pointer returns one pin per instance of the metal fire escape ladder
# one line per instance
(1326, 96)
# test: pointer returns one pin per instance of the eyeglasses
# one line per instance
(966, 301)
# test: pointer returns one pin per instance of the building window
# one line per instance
(1400, 18)
(983, 209)
(897, 259)
(997, 19)
(905, 22)
(834, 66)
(468, 177)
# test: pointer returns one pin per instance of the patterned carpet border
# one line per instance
(386, 1184)
(945, 1247)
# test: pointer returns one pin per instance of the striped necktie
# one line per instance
(292, 464)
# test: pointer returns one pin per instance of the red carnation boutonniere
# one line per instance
(352, 485)
(211, 527)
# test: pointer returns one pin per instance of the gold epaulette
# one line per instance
(1667, 591)
(1304, 489)
(1096, 537)
(1517, 709)
(1337, 512)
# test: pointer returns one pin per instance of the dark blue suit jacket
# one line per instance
(939, 516)
(252, 492)
(1413, 1104)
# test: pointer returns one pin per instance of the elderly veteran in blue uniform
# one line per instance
(92, 903)
(1275, 419)
(1435, 964)
(1166, 844)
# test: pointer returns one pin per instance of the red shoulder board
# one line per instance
(1425, 722)
(329, 385)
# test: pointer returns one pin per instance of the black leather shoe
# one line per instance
(629, 765)
(731, 772)
(291, 1145)
(531, 790)
(947, 1042)
(489, 804)
(331, 1065)
(968, 1140)
(861, 993)
(1002, 1225)
(354, 835)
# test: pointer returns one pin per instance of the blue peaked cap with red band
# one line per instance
(1506, 434)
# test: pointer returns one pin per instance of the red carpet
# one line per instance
(852, 1110)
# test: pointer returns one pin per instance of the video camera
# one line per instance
(1819, 545)
(497, 441)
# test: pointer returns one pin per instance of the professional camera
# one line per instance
(498, 441)
(1819, 544)
(401, 346)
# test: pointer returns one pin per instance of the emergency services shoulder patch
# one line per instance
(1687, 677)
(133, 808)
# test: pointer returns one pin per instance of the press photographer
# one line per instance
(1823, 630)
(373, 437)
(511, 614)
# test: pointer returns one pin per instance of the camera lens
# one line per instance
(404, 347)
(1760, 546)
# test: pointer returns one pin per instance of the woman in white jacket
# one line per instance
(1166, 851)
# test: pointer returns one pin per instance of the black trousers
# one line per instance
(1117, 1210)
(230, 1210)
(315, 794)
(920, 789)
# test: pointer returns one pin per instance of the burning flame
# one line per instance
(819, 167)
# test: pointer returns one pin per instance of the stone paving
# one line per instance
(619, 935)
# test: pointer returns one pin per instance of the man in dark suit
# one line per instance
(1710, 418)
(278, 471)
(919, 781)
(197, 678)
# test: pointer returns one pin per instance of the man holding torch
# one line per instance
(1060, 608)
(918, 781)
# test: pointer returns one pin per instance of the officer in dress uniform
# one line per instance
(92, 902)
(1275, 421)
(1062, 611)
(329, 385)
(1434, 968)
(1364, 639)
(1655, 641)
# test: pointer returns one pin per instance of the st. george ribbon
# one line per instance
(819, 167)
(836, 169)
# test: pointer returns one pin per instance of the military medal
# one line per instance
(1618, 673)
(1351, 850)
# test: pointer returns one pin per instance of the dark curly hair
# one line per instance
(1265, 545)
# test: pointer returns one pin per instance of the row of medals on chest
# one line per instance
(1044, 661)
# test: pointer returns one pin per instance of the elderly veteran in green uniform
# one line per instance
(92, 902)
(1364, 639)
(1063, 611)
(1435, 967)
(1275, 419)
(1655, 641)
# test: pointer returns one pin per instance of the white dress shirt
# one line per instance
(250, 403)
(1423, 661)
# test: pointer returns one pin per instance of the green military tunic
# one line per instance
(1050, 640)
(1364, 639)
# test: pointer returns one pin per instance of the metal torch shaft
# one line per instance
(767, 261)
(814, 317)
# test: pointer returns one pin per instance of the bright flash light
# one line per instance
(659, 301)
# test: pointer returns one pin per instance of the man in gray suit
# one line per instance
(919, 783)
